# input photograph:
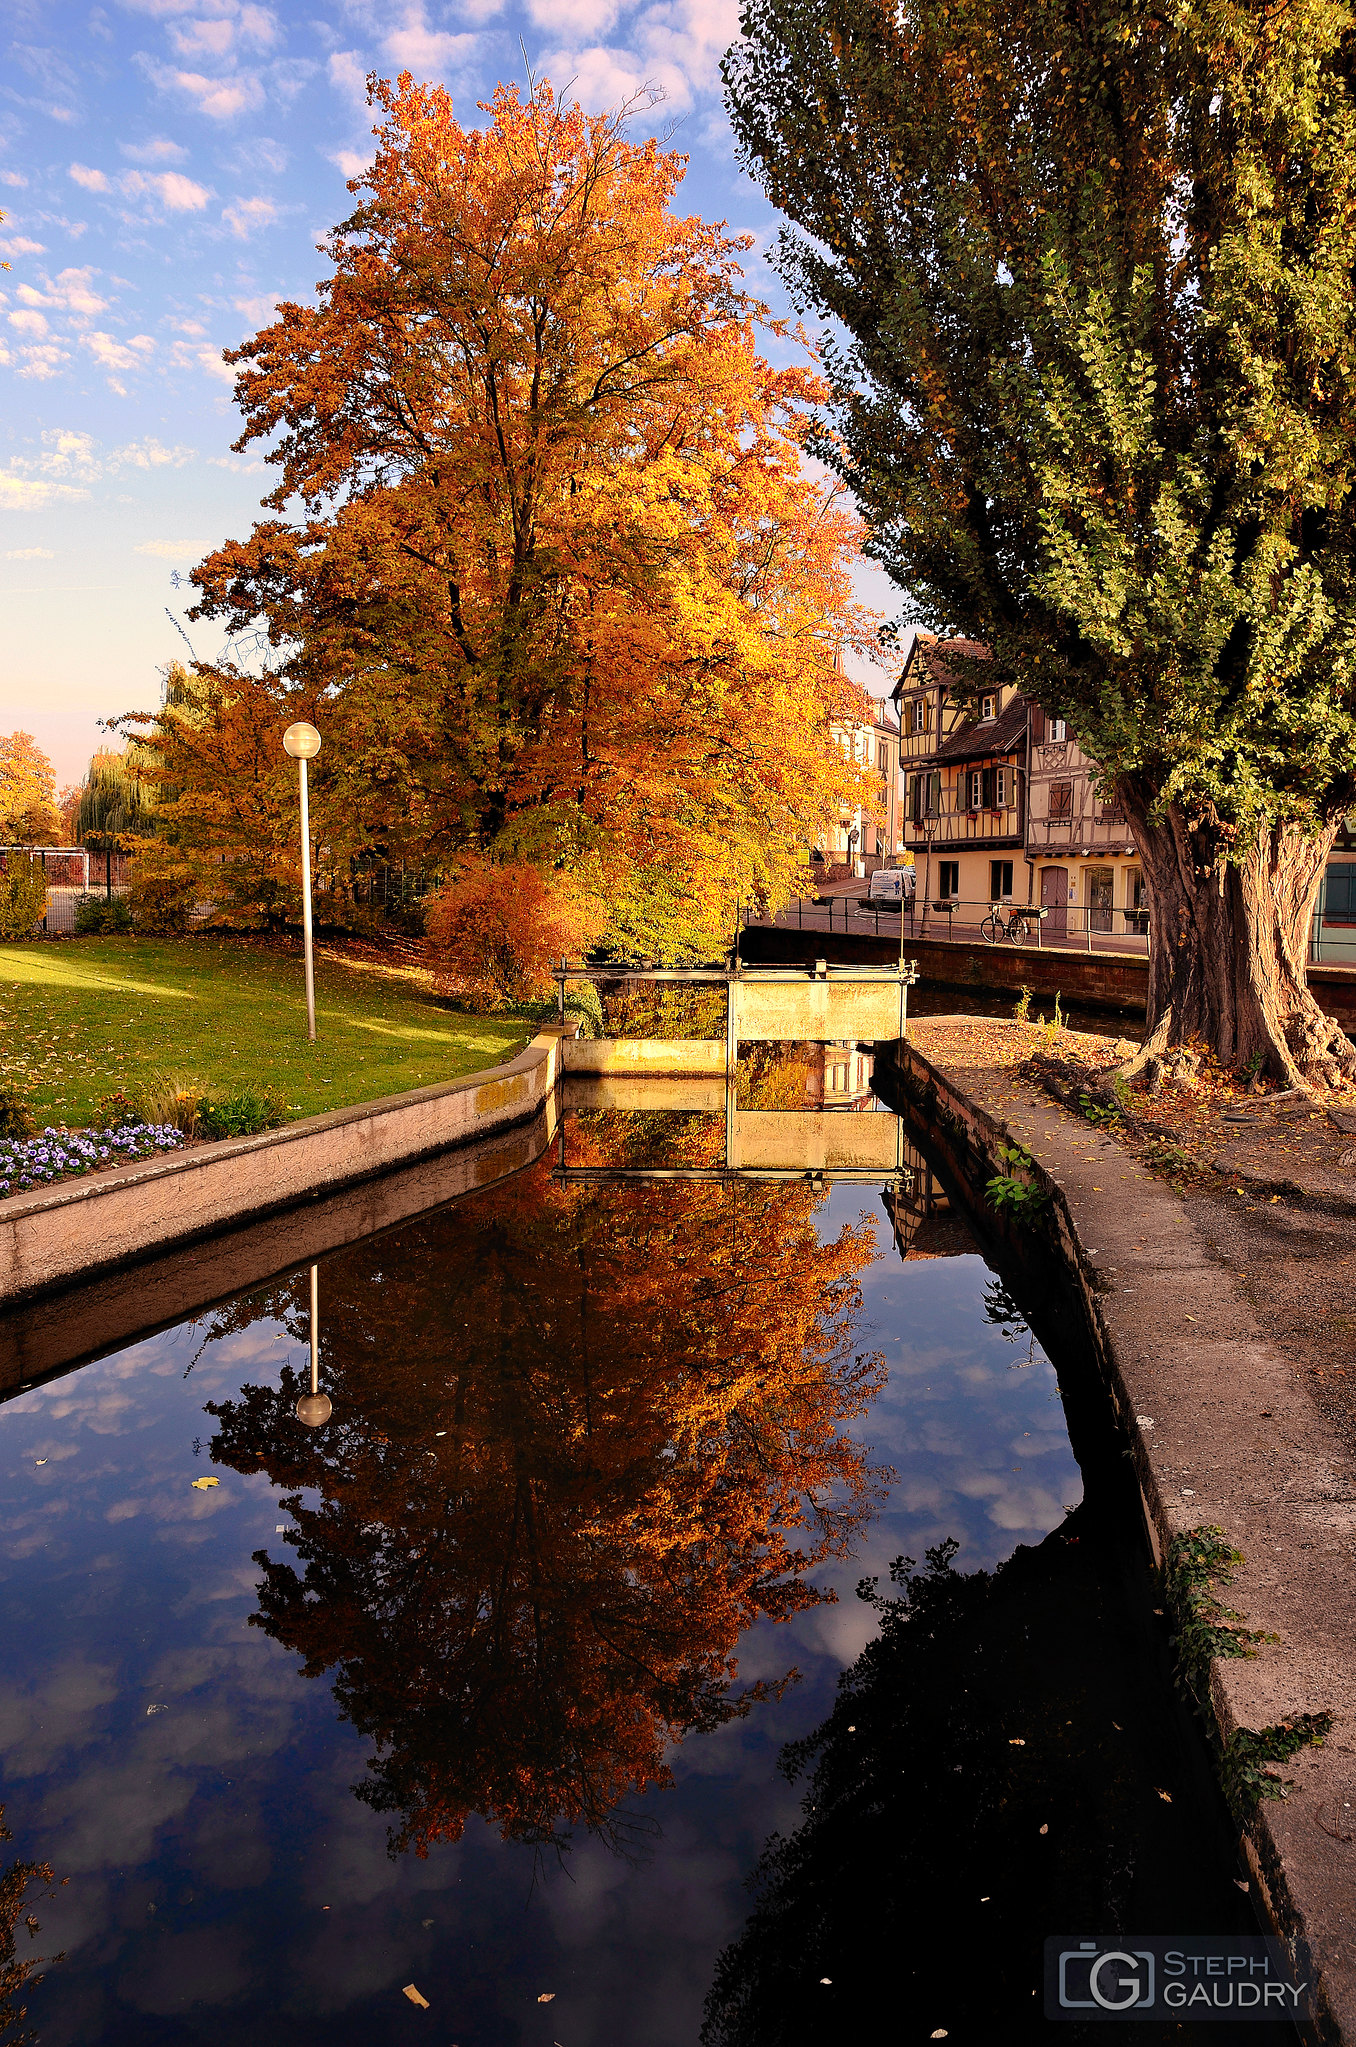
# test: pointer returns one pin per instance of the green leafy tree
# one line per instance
(1092, 270)
(116, 805)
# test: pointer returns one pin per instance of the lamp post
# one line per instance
(302, 741)
(314, 1407)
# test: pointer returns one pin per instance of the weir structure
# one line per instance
(812, 1004)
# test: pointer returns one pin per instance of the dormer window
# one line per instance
(919, 715)
(988, 709)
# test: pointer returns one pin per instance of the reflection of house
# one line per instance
(1003, 806)
(866, 838)
(838, 1076)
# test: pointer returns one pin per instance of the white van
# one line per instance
(892, 887)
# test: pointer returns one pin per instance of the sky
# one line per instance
(166, 170)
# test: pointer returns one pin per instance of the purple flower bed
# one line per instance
(57, 1154)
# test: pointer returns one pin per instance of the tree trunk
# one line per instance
(1229, 944)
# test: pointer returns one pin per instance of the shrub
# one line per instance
(240, 1113)
(185, 1104)
(164, 890)
(582, 1001)
(501, 930)
(102, 914)
(1012, 1190)
(16, 1117)
(23, 897)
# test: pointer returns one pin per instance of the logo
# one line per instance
(1110, 1977)
(1175, 1976)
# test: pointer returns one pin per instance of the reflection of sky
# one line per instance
(166, 1757)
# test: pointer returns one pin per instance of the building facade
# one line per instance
(1001, 804)
(869, 837)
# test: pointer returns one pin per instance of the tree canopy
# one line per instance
(556, 574)
(28, 809)
(1090, 267)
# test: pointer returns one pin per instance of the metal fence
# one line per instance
(1067, 927)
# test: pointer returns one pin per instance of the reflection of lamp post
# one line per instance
(314, 1407)
(302, 741)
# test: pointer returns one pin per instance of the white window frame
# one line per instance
(988, 710)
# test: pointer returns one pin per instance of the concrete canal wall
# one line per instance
(1222, 1433)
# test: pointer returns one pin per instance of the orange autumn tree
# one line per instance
(226, 792)
(545, 528)
(582, 1438)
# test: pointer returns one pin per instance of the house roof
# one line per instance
(979, 739)
(929, 652)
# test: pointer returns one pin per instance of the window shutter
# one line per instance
(1037, 724)
(986, 789)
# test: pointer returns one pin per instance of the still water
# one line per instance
(482, 1687)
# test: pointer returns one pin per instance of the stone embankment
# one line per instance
(1223, 1431)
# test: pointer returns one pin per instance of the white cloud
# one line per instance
(413, 44)
(42, 361)
(601, 79)
(13, 178)
(584, 18)
(113, 354)
(221, 99)
(243, 216)
(352, 162)
(151, 454)
(173, 550)
(66, 466)
(93, 181)
(28, 322)
(20, 245)
(158, 151)
(176, 193)
(348, 75)
(187, 357)
(259, 311)
(70, 291)
(29, 554)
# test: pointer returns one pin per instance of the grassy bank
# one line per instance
(81, 1019)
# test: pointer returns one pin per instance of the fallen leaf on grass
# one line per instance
(415, 1998)
(200, 1485)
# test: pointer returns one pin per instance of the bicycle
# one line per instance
(1017, 927)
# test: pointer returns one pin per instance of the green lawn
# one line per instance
(83, 1017)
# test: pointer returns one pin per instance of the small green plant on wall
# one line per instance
(1013, 1192)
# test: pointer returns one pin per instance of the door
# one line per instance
(1054, 898)
(1101, 884)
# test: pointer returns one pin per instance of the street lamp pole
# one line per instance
(302, 741)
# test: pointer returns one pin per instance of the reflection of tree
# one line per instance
(21, 1885)
(993, 1771)
(642, 1392)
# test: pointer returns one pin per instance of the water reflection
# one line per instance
(574, 1455)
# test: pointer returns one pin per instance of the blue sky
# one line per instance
(166, 168)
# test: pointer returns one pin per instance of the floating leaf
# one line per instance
(200, 1485)
(415, 1998)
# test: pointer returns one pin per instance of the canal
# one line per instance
(569, 1674)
